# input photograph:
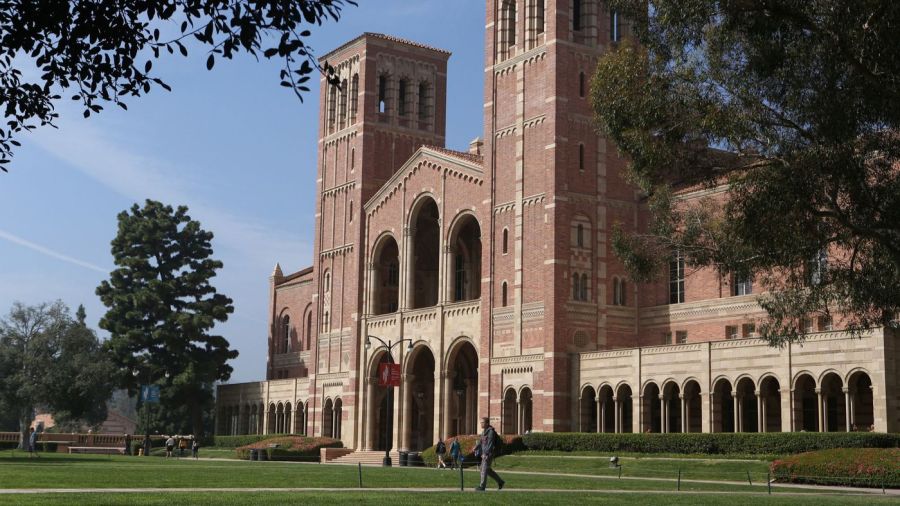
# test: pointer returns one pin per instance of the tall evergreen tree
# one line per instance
(801, 102)
(162, 307)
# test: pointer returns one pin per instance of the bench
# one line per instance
(97, 449)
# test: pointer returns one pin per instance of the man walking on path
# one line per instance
(32, 442)
(487, 447)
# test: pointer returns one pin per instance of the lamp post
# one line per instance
(149, 380)
(389, 345)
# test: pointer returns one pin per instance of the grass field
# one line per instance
(544, 472)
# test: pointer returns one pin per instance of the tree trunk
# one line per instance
(24, 424)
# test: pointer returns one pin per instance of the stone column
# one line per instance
(663, 415)
(445, 273)
(618, 415)
(371, 283)
(760, 419)
(520, 417)
(684, 414)
(820, 403)
(448, 402)
(601, 415)
(405, 421)
(711, 413)
(409, 269)
(370, 414)
(737, 414)
(847, 407)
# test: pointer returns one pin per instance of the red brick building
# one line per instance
(491, 272)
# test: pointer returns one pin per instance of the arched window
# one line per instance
(460, 273)
(327, 283)
(535, 22)
(577, 12)
(352, 159)
(285, 334)
(350, 212)
(332, 105)
(581, 84)
(576, 286)
(403, 95)
(326, 323)
(676, 279)
(382, 93)
(584, 287)
(581, 157)
(424, 105)
(503, 294)
(342, 107)
(309, 335)
(618, 292)
(354, 97)
(615, 34)
(507, 27)
(505, 241)
(579, 236)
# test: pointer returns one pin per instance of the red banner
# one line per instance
(389, 375)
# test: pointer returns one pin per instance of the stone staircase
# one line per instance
(367, 458)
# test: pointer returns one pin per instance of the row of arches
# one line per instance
(830, 404)
(424, 389)
(279, 418)
(416, 275)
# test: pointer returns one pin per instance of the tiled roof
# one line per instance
(382, 36)
(469, 157)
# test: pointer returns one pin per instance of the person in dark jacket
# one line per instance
(486, 450)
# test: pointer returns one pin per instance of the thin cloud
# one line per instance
(50, 253)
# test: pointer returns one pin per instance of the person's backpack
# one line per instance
(441, 447)
(498, 443)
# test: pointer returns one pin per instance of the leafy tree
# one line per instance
(52, 361)
(162, 307)
(103, 50)
(792, 108)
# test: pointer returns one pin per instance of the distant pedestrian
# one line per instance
(182, 446)
(486, 448)
(32, 442)
(127, 444)
(440, 449)
(148, 444)
(170, 445)
(195, 447)
(455, 453)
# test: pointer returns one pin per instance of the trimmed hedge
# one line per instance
(859, 467)
(770, 443)
(236, 441)
(512, 443)
(290, 447)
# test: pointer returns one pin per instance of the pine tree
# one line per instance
(162, 307)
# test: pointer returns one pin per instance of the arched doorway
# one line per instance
(651, 409)
(300, 419)
(465, 241)
(607, 409)
(461, 391)
(386, 277)
(328, 419)
(510, 412)
(747, 411)
(418, 396)
(588, 410)
(806, 409)
(770, 402)
(624, 409)
(525, 411)
(380, 411)
(271, 428)
(671, 405)
(693, 407)
(834, 408)
(723, 407)
(423, 280)
(862, 405)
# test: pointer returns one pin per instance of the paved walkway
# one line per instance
(11, 491)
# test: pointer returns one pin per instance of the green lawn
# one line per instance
(417, 498)
(691, 469)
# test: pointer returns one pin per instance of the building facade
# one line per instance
(491, 272)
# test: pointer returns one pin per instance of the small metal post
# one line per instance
(679, 479)
(462, 486)
(620, 471)
(359, 464)
(748, 478)
(769, 481)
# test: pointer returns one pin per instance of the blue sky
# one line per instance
(231, 144)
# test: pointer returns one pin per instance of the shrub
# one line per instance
(770, 443)
(290, 447)
(861, 467)
(511, 443)
(236, 441)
